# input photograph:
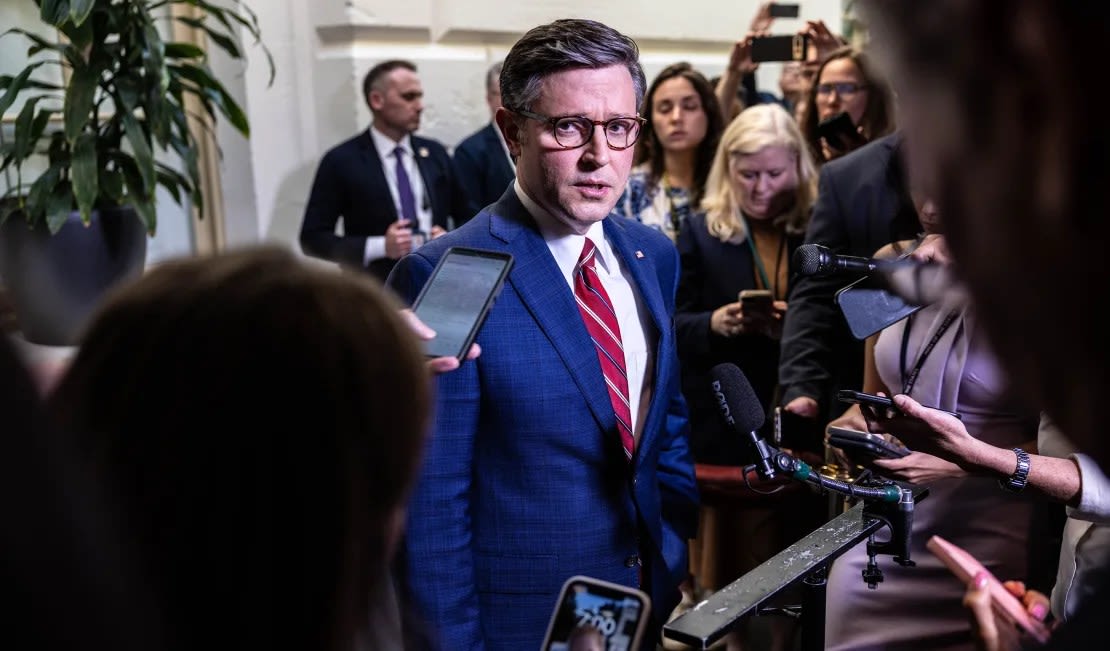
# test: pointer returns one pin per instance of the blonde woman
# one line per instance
(758, 197)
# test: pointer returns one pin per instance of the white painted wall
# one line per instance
(322, 48)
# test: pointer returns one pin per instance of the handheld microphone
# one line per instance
(742, 412)
(817, 260)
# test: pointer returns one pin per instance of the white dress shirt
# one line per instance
(375, 244)
(632, 316)
(1085, 546)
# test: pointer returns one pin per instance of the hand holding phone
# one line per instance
(588, 609)
(865, 444)
(878, 402)
(788, 47)
(840, 133)
(967, 568)
(755, 301)
(458, 296)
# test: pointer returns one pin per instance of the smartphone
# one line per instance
(458, 296)
(789, 47)
(756, 300)
(878, 402)
(966, 567)
(865, 443)
(595, 614)
(840, 132)
(783, 10)
(868, 308)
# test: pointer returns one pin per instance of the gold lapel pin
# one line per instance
(423, 151)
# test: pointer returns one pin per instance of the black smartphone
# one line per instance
(458, 296)
(868, 308)
(855, 442)
(596, 614)
(790, 47)
(783, 10)
(840, 132)
(879, 402)
(757, 300)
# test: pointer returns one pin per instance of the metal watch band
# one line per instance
(1017, 481)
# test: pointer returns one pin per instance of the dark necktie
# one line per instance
(404, 189)
(601, 322)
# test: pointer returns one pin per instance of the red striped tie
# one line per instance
(601, 322)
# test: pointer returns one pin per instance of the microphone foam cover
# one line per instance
(741, 400)
(811, 259)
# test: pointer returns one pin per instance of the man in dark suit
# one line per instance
(482, 160)
(393, 189)
(862, 204)
(554, 453)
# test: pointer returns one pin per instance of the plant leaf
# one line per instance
(137, 196)
(79, 101)
(16, 85)
(111, 184)
(54, 12)
(24, 143)
(83, 170)
(175, 50)
(80, 34)
(58, 206)
(40, 189)
(79, 10)
(140, 149)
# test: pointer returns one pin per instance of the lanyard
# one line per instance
(759, 260)
(908, 382)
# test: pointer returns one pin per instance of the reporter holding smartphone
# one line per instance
(939, 357)
(758, 197)
(847, 82)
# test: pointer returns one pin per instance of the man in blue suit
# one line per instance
(393, 189)
(526, 480)
(482, 159)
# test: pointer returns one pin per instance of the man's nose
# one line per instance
(597, 148)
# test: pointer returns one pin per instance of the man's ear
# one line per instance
(510, 130)
(375, 100)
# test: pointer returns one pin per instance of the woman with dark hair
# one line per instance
(847, 82)
(675, 150)
(257, 424)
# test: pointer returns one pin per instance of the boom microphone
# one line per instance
(817, 260)
(741, 411)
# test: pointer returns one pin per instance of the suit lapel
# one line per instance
(544, 292)
(375, 174)
(429, 174)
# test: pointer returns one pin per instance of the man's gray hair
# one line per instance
(565, 44)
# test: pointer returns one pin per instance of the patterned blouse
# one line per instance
(657, 205)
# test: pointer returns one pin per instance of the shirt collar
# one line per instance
(385, 145)
(568, 248)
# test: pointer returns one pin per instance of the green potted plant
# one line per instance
(92, 136)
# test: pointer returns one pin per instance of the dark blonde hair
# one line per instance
(757, 127)
(259, 423)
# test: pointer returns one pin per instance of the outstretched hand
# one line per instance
(992, 633)
(436, 364)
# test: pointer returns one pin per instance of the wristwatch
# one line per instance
(1017, 481)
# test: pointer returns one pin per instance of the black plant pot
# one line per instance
(57, 281)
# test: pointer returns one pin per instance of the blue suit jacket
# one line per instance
(350, 183)
(524, 483)
(483, 168)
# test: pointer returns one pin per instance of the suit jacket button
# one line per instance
(632, 561)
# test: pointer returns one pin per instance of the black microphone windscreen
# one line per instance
(735, 393)
(811, 259)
